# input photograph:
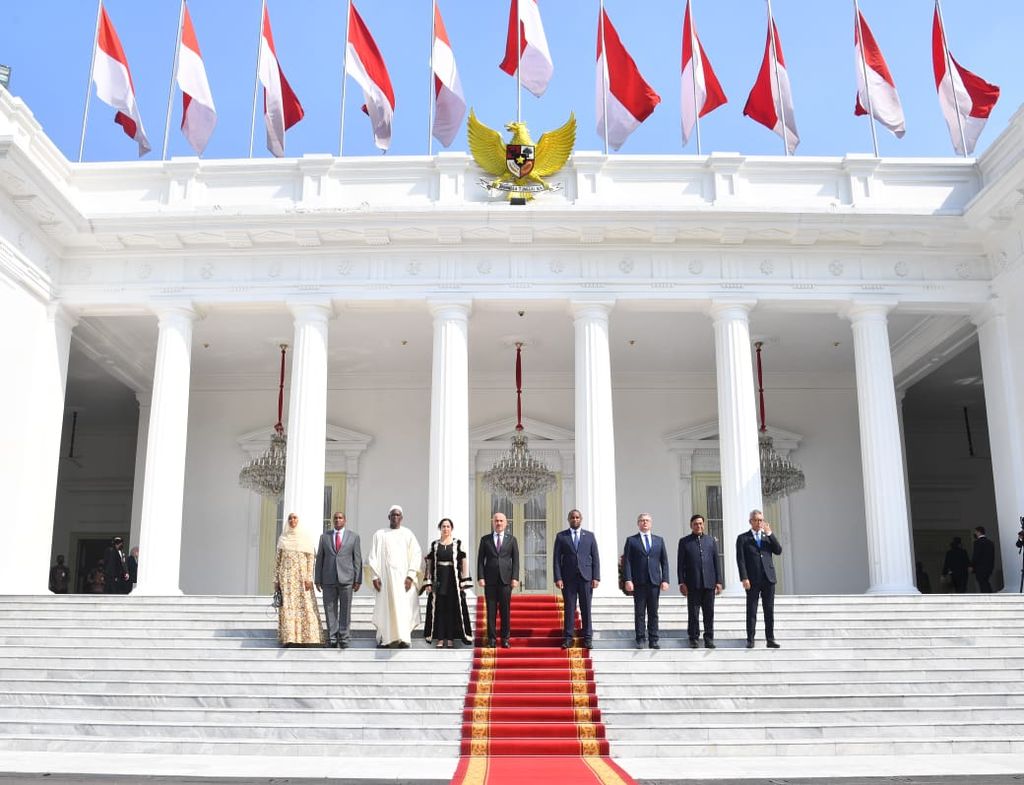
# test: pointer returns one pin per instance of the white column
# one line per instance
(890, 560)
(737, 429)
(595, 435)
(144, 401)
(25, 559)
(1004, 405)
(163, 491)
(448, 489)
(307, 417)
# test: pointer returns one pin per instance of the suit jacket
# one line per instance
(498, 568)
(984, 557)
(697, 562)
(756, 565)
(571, 563)
(338, 568)
(642, 567)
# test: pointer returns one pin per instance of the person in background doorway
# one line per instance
(59, 575)
(133, 567)
(956, 565)
(983, 560)
(115, 569)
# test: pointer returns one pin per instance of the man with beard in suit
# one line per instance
(754, 551)
(338, 572)
(645, 570)
(497, 569)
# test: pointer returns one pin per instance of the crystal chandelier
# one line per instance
(517, 475)
(265, 473)
(779, 476)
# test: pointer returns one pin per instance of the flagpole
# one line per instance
(430, 92)
(864, 68)
(778, 80)
(174, 74)
(519, 63)
(604, 77)
(694, 55)
(949, 73)
(256, 84)
(344, 77)
(88, 85)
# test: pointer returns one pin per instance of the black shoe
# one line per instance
(402, 645)
(505, 644)
(750, 644)
(693, 643)
(655, 645)
(343, 644)
(490, 643)
(587, 643)
(639, 643)
(566, 644)
(709, 644)
(773, 645)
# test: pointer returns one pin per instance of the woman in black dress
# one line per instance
(446, 583)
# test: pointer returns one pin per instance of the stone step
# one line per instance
(324, 700)
(897, 744)
(213, 718)
(868, 701)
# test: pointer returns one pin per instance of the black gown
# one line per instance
(447, 612)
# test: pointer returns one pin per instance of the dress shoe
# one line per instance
(402, 645)
(693, 643)
(750, 644)
(343, 644)
(490, 643)
(639, 643)
(566, 644)
(587, 643)
(655, 645)
(773, 645)
(505, 644)
(709, 644)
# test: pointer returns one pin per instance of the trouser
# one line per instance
(766, 592)
(499, 598)
(573, 591)
(645, 609)
(700, 602)
(984, 583)
(338, 610)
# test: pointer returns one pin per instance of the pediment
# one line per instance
(338, 438)
(708, 432)
(536, 430)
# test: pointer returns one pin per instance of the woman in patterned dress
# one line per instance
(298, 619)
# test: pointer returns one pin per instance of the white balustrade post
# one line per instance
(163, 491)
(307, 418)
(1004, 405)
(890, 559)
(595, 435)
(448, 489)
(737, 430)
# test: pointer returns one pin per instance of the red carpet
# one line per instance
(531, 711)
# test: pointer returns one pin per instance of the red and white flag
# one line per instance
(701, 91)
(281, 107)
(114, 82)
(363, 62)
(198, 114)
(526, 47)
(879, 90)
(629, 98)
(449, 101)
(960, 92)
(771, 100)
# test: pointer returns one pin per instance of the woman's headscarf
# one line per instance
(295, 540)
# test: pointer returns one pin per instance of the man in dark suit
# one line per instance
(983, 559)
(115, 569)
(338, 572)
(577, 574)
(754, 551)
(700, 580)
(497, 568)
(645, 570)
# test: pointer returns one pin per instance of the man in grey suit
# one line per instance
(338, 573)
(754, 551)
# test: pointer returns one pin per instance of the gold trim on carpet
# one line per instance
(476, 772)
(583, 713)
(604, 773)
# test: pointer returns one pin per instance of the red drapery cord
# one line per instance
(760, 386)
(519, 387)
(280, 393)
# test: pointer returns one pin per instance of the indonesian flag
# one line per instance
(629, 98)
(449, 102)
(281, 107)
(879, 91)
(960, 92)
(114, 82)
(769, 93)
(526, 33)
(363, 62)
(198, 115)
(701, 91)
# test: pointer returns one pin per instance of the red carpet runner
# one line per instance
(531, 711)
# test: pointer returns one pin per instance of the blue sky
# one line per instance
(48, 45)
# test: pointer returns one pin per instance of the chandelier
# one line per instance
(265, 473)
(779, 476)
(517, 475)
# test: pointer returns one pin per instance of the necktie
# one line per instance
(647, 543)
(576, 539)
(337, 541)
(757, 536)
(498, 546)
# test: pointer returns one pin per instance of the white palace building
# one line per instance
(142, 307)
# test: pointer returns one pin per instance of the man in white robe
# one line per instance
(394, 563)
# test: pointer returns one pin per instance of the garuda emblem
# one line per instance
(519, 167)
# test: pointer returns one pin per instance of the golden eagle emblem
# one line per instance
(520, 166)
